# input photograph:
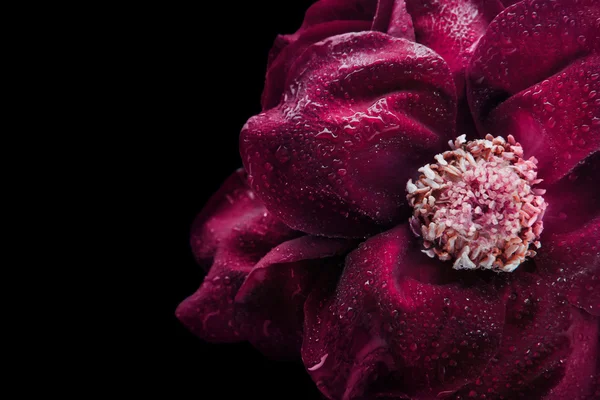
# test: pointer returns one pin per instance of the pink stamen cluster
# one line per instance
(476, 205)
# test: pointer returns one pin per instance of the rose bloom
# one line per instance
(418, 215)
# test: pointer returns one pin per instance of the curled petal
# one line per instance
(451, 28)
(572, 259)
(393, 18)
(270, 301)
(234, 225)
(328, 18)
(361, 112)
(286, 54)
(534, 74)
(400, 325)
(231, 234)
(549, 348)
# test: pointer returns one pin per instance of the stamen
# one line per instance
(476, 205)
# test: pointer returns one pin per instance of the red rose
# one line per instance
(398, 267)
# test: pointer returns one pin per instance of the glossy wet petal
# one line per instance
(328, 18)
(534, 74)
(360, 114)
(451, 27)
(572, 259)
(393, 18)
(270, 301)
(549, 348)
(400, 325)
(232, 233)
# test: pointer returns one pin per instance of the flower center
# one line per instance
(476, 205)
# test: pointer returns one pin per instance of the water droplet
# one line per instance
(282, 154)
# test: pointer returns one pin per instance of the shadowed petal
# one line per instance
(572, 259)
(361, 112)
(544, 55)
(451, 27)
(575, 199)
(393, 19)
(328, 18)
(270, 301)
(549, 348)
(400, 325)
(231, 234)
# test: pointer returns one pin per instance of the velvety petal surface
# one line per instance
(360, 114)
(451, 28)
(400, 325)
(235, 235)
(328, 18)
(535, 75)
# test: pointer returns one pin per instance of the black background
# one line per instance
(208, 73)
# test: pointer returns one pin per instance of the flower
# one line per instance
(309, 250)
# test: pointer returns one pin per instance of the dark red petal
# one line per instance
(574, 199)
(361, 112)
(451, 27)
(392, 17)
(400, 324)
(234, 224)
(548, 347)
(573, 260)
(543, 54)
(231, 234)
(328, 18)
(278, 69)
(339, 10)
(508, 3)
(581, 379)
(270, 302)
(556, 120)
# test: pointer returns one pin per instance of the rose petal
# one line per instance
(451, 27)
(555, 120)
(542, 54)
(572, 259)
(234, 224)
(328, 18)
(339, 10)
(393, 18)
(574, 199)
(548, 347)
(362, 111)
(270, 301)
(581, 380)
(278, 69)
(232, 233)
(507, 3)
(400, 324)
